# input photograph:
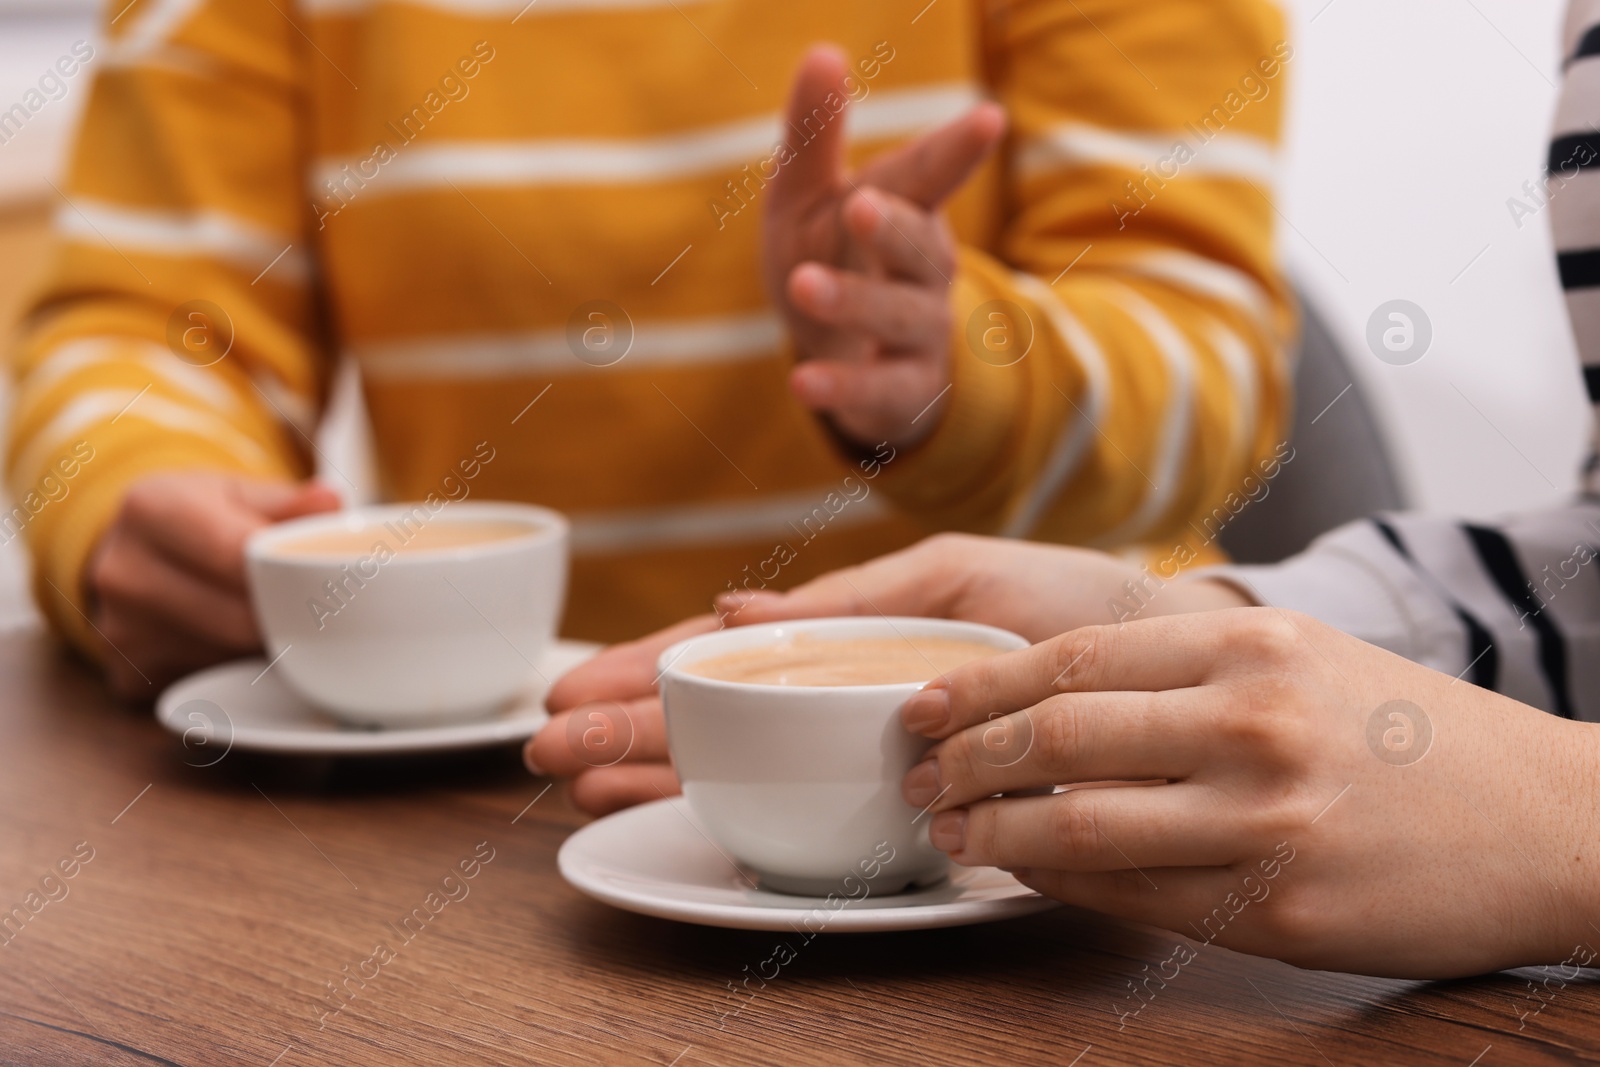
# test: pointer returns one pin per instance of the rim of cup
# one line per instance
(544, 525)
(672, 660)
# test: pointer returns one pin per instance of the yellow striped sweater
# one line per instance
(452, 192)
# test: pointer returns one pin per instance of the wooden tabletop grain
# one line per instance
(186, 914)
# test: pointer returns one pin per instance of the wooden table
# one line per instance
(221, 901)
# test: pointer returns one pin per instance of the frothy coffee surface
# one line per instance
(401, 538)
(806, 660)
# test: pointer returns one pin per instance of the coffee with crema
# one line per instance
(817, 661)
(401, 538)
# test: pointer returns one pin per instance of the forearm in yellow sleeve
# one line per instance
(1136, 255)
(183, 194)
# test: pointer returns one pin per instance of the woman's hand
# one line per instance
(861, 266)
(607, 732)
(1031, 589)
(167, 582)
(1322, 801)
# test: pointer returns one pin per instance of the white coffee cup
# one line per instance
(801, 784)
(426, 635)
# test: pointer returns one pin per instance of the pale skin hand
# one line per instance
(1478, 856)
(861, 265)
(1032, 589)
(167, 581)
(607, 703)
(1035, 590)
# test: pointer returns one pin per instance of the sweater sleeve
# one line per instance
(174, 329)
(1512, 606)
(1119, 351)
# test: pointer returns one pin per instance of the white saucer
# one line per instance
(249, 709)
(655, 859)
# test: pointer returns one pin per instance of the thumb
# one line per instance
(277, 501)
(930, 168)
(622, 672)
(832, 594)
(814, 132)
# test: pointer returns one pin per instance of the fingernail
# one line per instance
(948, 831)
(926, 711)
(921, 784)
(824, 290)
(527, 761)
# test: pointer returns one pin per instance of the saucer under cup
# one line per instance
(658, 859)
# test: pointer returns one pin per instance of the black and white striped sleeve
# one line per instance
(1571, 185)
(1512, 606)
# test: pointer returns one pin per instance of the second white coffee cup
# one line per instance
(800, 783)
(406, 637)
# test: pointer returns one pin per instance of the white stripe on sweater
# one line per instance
(1575, 111)
(1580, 15)
(1080, 426)
(153, 24)
(1173, 425)
(205, 233)
(1572, 198)
(1208, 278)
(459, 357)
(1240, 367)
(615, 161)
(1078, 144)
(1583, 309)
(88, 353)
(100, 407)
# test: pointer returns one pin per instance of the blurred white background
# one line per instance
(1410, 127)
